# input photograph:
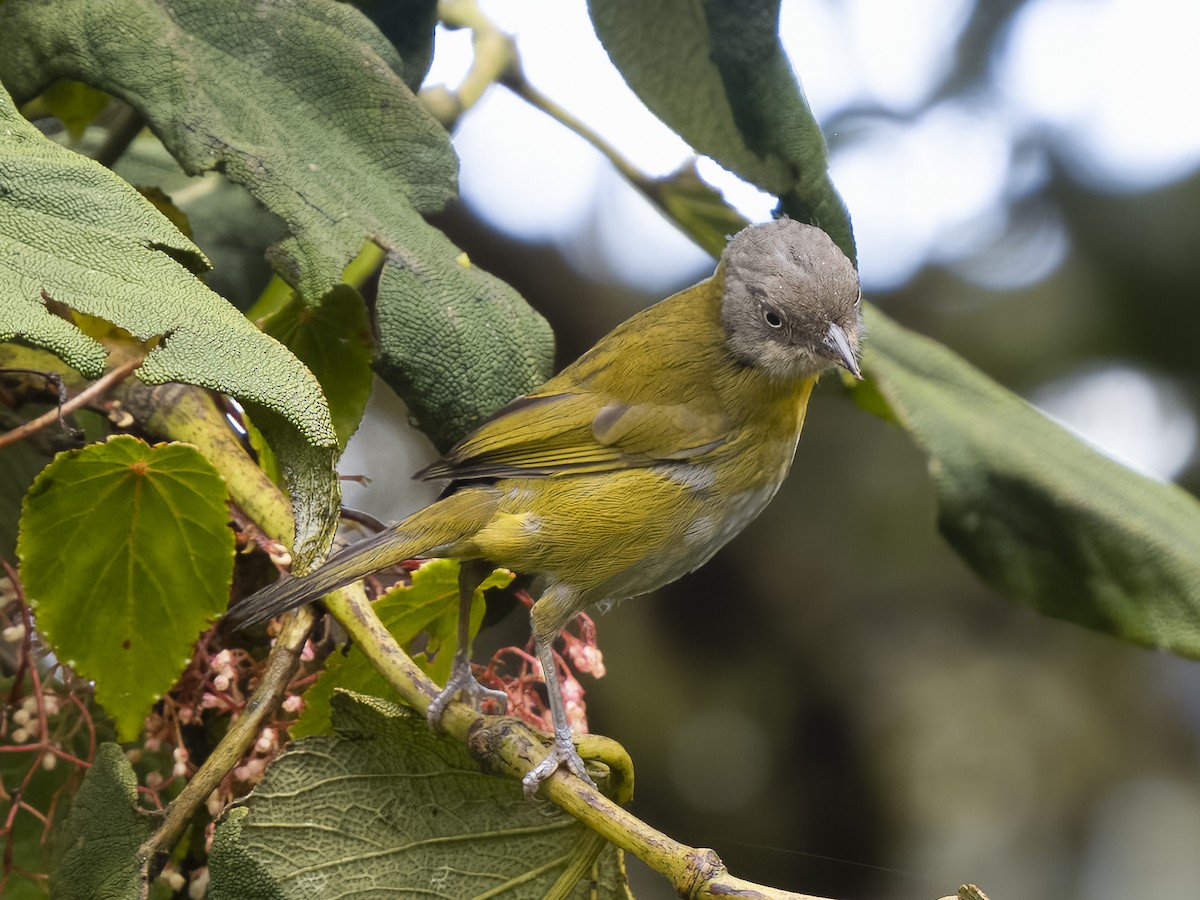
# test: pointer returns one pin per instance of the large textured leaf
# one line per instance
(1038, 514)
(300, 102)
(127, 556)
(295, 99)
(74, 236)
(106, 827)
(428, 606)
(714, 71)
(386, 808)
(445, 341)
(334, 341)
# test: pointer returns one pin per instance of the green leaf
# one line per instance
(428, 606)
(74, 236)
(297, 100)
(455, 343)
(102, 834)
(126, 556)
(724, 83)
(334, 341)
(1038, 514)
(386, 807)
(698, 208)
(332, 141)
(233, 229)
(75, 104)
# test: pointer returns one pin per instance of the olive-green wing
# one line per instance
(568, 433)
(642, 395)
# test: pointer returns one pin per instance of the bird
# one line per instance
(636, 463)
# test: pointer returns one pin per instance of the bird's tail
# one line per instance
(436, 528)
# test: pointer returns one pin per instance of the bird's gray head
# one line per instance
(790, 302)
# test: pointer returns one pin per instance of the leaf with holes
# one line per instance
(126, 556)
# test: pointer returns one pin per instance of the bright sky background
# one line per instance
(927, 181)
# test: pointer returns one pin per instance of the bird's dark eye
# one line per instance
(771, 317)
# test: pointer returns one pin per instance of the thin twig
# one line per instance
(281, 666)
(514, 79)
(60, 389)
(126, 126)
(87, 395)
(495, 53)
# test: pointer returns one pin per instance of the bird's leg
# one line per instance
(563, 753)
(471, 574)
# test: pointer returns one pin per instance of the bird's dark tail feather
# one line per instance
(435, 528)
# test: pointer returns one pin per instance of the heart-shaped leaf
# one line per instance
(126, 555)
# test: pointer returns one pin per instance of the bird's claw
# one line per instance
(463, 682)
(562, 753)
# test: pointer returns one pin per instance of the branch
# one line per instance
(495, 54)
(506, 746)
(188, 413)
(127, 126)
(93, 392)
(683, 198)
(281, 665)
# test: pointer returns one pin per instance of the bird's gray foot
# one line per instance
(463, 682)
(563, 753)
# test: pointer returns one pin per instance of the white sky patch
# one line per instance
(638, 246)
(522, 171)
(1143, 421)
(851, 51)
(756, 205)
(902, 46)
(913, 187)
(1115, 80)
(563, 58)
(1111, 81)
(452, 56)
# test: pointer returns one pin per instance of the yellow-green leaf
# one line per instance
(126, 556)
(333, 339)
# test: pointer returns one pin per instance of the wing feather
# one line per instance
(614, 408)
